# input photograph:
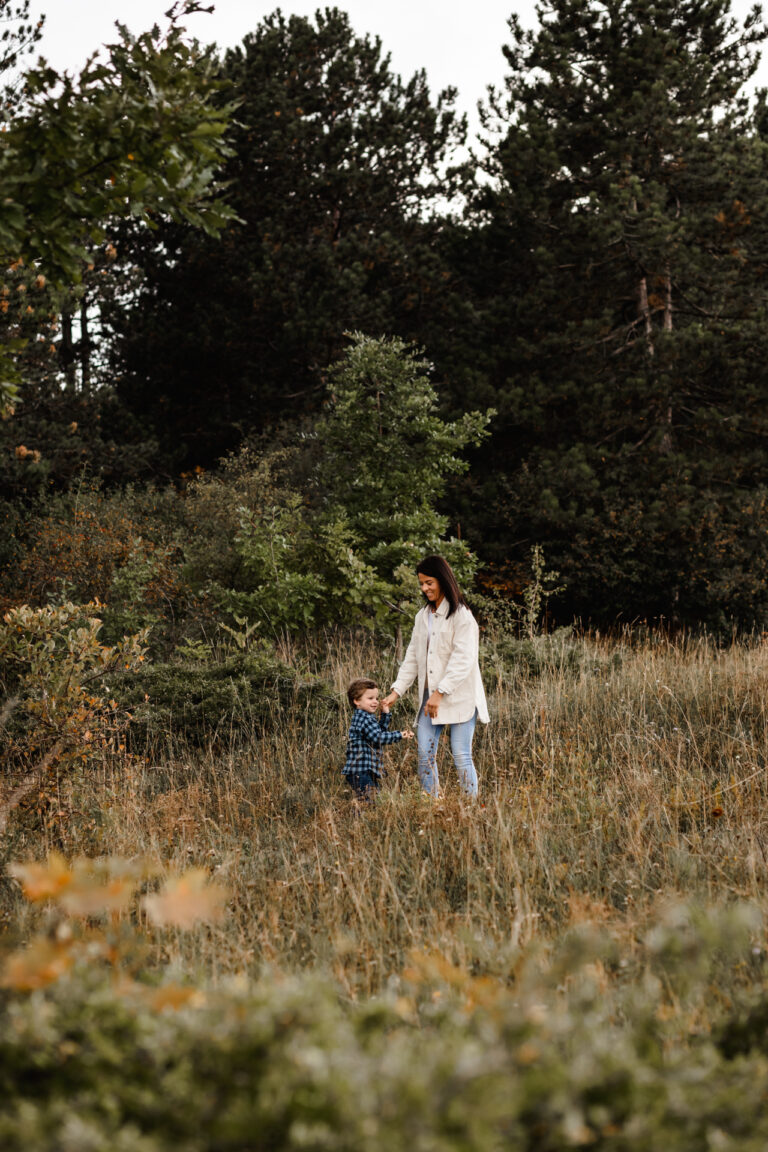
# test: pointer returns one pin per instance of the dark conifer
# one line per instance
(622, 243)
(338, 168)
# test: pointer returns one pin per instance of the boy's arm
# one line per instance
(375, 731)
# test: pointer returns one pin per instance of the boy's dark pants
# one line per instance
(364, 784)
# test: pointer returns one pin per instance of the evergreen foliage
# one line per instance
(388, 455)
(196, 701)
(337, 170)
(605, 292)
(622, 248)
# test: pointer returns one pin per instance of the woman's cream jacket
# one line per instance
(451, 665)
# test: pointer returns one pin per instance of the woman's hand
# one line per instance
(433, 704)
(388, 701)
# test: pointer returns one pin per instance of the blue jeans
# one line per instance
(427, 736)
(363, 784)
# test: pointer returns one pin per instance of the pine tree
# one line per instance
(387, 455)
(337, 169)
(622, 243)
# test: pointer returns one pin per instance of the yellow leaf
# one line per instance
(42, 881)
(185, 900)
(43, 963)
(90, 899)
(173, 996)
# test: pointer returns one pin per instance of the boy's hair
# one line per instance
(357, 687)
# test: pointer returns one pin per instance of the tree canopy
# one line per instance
(337, 173)
(137, 135)
(598, 279)
(622, 243)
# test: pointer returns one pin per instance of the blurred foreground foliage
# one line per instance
(578, 1045)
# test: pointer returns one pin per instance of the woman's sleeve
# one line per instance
(409, 669)
(463, 655)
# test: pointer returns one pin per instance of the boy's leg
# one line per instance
(363, 784)
(461, 747)
(427, 736)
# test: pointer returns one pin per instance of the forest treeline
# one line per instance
(589, 276)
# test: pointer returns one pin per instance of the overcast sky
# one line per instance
(458, 42)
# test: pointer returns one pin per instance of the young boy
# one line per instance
(366, 737)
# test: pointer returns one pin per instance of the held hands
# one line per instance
(386, 704)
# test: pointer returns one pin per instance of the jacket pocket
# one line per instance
(444, 641)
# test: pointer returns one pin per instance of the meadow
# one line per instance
(602, 903)
(616, 776)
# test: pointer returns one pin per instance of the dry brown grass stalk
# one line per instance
(612, 781)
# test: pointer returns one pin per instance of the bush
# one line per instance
(120, 549)
(445, 1063)
(56, 710)
(240, 696)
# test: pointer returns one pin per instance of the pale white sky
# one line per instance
(458, 42)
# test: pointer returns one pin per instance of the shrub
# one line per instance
(388, 455)
(58, 711)
(551, 1058)
(239, 696)
(120, 549)
(72, 548)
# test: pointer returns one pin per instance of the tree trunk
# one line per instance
(666, 441)
(645, 312)
(84, 349)
(67, 351)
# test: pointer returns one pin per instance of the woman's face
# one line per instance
(430, 587)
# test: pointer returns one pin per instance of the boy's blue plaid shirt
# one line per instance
(367, 735)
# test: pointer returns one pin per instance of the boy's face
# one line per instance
(369, 701)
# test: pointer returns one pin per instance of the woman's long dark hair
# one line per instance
(439, 569)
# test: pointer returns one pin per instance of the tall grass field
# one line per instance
(577, 958)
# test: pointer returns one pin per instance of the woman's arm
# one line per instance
(409, 669)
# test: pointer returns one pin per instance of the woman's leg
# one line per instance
(461, 747)
(427, 736)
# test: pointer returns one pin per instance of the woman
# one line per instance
(443, 654)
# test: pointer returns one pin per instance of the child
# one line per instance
(366, 737)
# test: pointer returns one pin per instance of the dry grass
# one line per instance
(620, 776)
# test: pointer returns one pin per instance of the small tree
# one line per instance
(57, 712)
(388, 456)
